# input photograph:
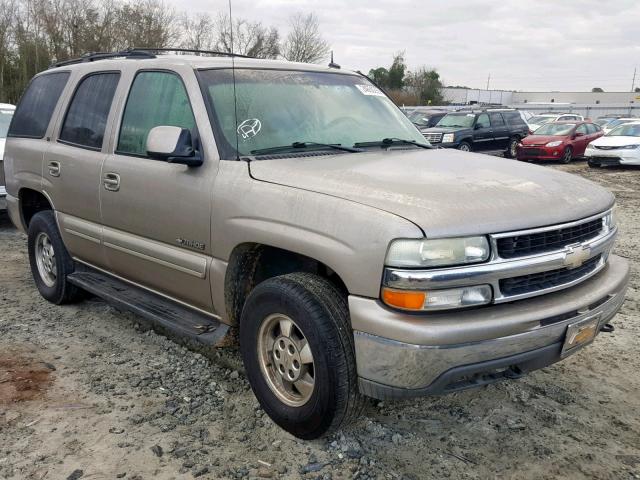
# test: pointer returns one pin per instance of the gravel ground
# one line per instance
(89, 392)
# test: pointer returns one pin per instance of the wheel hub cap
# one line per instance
(286, 360)
(46, 260)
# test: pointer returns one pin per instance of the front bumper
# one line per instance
(404, 355)
(613, 157)
(539, 153)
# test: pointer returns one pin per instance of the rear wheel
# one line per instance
(512, 149)
(464, 147)
(50, 262)
(567, 155)
(297, 347)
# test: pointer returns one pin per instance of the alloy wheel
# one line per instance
(46, 260)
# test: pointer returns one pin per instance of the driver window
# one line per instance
(483, 121)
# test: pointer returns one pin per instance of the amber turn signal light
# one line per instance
(406, 300)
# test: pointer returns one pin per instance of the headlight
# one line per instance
(448, 138)
(590, 147)
(630, 147)
(437, 252)
(554, 144)
(611, 218)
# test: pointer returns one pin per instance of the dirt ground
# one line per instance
(88, 392)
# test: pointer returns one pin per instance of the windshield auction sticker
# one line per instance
(370, 90)
(249, 128)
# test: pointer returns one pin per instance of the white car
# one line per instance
(6, 114)
(537, 121)
(617, 122)
(621, 146)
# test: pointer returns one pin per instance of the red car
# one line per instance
(562, 141)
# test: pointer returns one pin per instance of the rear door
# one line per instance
(483, 134)
(157, 215)
(501, 132)
(73, 163)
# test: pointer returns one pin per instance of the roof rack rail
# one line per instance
(94, 56)
(188, 50)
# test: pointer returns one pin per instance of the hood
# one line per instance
(443, 129)
(615, 141)
(445, 192)
(542, 139)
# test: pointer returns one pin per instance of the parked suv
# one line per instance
(6, 113)
(298, 204)
(479, 131)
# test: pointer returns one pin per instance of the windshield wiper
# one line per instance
(387, 142)
(303, 145)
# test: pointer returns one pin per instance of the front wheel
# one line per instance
(297, 348)
(567, 155)
(464, 147)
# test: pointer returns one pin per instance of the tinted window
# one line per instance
(156, 98)
(86, 118)
(496, 119)
(37, 104)
(483, 121)
(512, 117)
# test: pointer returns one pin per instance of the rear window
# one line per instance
(37, 104)
(86, 119)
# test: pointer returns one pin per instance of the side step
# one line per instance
(167, 317)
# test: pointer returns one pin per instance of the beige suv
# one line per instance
(297, 203)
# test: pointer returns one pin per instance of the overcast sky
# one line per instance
(561, 45)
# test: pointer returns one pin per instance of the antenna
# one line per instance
(332, 64)
(233, 73)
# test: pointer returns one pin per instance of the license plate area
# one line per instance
(580, 334)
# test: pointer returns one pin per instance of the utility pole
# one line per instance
(488, 80)
(633, 82)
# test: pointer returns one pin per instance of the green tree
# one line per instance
(397, 72)
(427, 86)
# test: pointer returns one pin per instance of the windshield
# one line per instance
(5, 120)
(540, 120)
(277, 108)
(620, 121)
(457, 120)
(419, 118)
(558, 129)
(629, 130)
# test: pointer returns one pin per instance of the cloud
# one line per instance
(541, 45)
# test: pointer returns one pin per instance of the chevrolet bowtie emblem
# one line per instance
(576, 256)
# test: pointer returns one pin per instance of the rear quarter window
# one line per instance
(37, 105)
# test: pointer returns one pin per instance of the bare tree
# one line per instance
(249, 38)
(198, 31)
(304, 42)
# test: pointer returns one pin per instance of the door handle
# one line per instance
(54, 169)
(111, 182)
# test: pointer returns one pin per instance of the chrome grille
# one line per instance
(546, 280)
(433, 137)
(547, 240)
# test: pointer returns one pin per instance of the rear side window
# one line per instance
(156, 98)
(86, 119)
(591, 128)
(512, 117)
(496, 120)
(37, 104)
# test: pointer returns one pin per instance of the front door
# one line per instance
(157, 215)
(581, 141)
(482, 133)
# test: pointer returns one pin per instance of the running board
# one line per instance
(167, 317)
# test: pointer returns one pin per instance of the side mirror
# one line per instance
(172, 145)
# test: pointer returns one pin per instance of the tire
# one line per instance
(464, 147)
(567, 155)
(512, 149)
(593, 164)
(50, 271)
(320, 314)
